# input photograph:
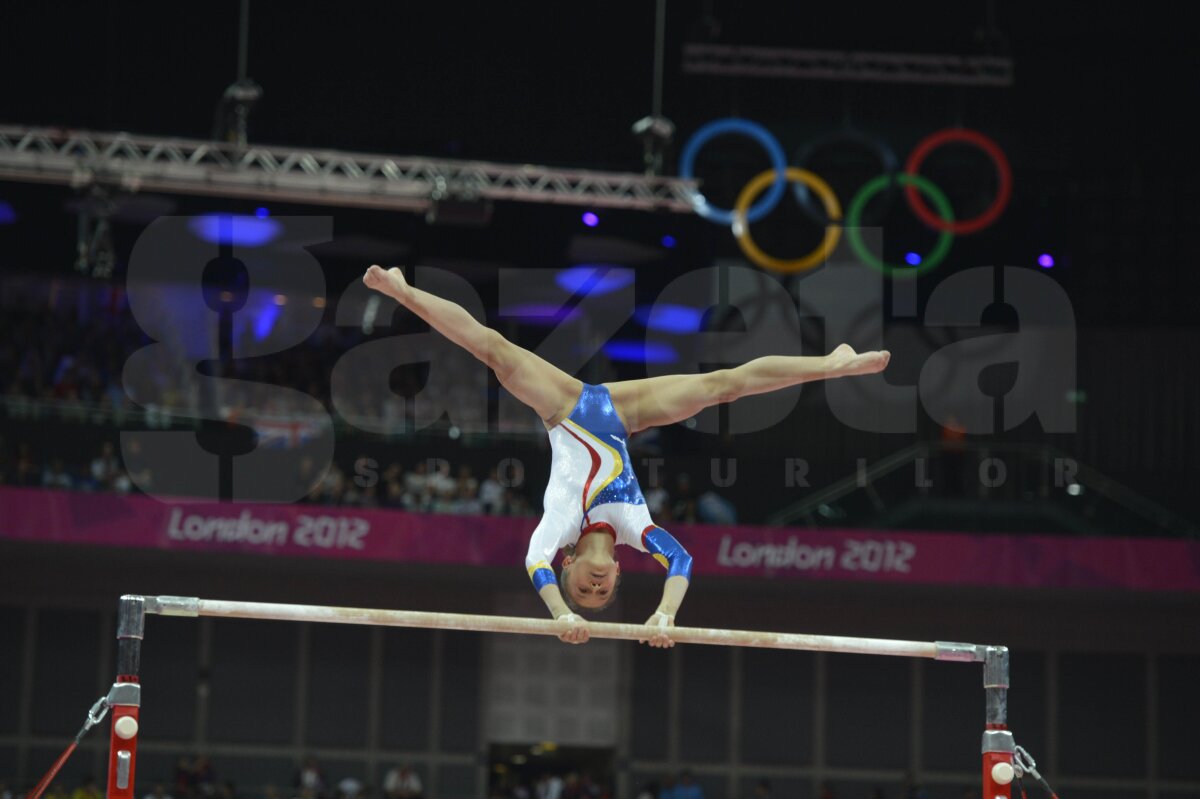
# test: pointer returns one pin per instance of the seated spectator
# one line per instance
(105, 467)
(204, 776)
(158, 792)
(349, 788)
(684, 507)
(466, 478)
(491, 493)
(657, 501)
(26, 472)
(712, 508)
(402, 783)
(685, 788)
(56, 476)
(88, 790)
(309, 778)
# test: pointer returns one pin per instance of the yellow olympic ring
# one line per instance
(741, 230)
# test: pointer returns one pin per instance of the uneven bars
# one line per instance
(270, 611)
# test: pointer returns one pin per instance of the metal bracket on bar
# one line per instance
(173, 605)
(960, 653)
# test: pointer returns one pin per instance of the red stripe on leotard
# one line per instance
(592, 474)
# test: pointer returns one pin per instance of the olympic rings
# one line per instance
(873, 187)
(993, 151)
(888, 163)
(718, 127)
(741, 228)
(941, 220)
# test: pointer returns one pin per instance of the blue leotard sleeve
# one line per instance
(667, 551)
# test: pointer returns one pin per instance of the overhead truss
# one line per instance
(325, 177)
(781, 62)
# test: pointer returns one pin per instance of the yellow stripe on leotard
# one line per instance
(618, 464)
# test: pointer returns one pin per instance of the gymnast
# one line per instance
(593, 502)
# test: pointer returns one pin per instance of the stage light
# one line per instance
(281, 299)
(593, 279)
(669, 318)
(8, 214)
(261, 213)
(534, 313)
(244, 231)
(1045, 260)
(590, 219)
(265, 320)
(640, 351)
(668, 241)
(912, 259)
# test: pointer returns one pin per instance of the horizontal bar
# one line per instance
(180, 606)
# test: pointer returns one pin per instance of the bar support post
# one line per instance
(125, 697)
(997, 739)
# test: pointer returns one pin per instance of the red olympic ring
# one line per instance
(1003, 174)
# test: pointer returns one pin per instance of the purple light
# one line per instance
(592, 279)
(1045, 260)
(668, 241)
(590, 219)
(535, 313)
(912, 259)
(245, 231)
(640, 351)
(265, 320)
(8, 214)
(669, 318)
(261, 213)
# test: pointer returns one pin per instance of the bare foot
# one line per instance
(387, 281)
(845, 362)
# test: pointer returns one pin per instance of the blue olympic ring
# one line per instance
(719, 127)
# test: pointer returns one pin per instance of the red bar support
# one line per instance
(125, 700)
(997, 764)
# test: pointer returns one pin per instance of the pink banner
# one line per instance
(777, 553)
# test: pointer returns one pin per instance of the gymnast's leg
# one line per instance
(663, 400)
(545, 388)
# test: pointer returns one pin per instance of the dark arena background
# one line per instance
(201, 400)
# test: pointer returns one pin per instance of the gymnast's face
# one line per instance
(592, 582)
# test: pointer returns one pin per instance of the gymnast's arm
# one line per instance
(669, 552)
(542, 547)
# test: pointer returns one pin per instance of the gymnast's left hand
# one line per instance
(577, 629)
(657, 634)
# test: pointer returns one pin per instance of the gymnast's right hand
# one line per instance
(577, 632)
(388, 281)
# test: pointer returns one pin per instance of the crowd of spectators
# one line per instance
(430, 486)
(196, 778)
(63, 352)
(70, 353)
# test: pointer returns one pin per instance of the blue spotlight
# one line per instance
(245, 231)
(534, 313)
(264, 320)
(8, 214)
(590, 219)
(640, 351)
(593, 279)
(912, 259)
(669, 318)
(668, 241)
